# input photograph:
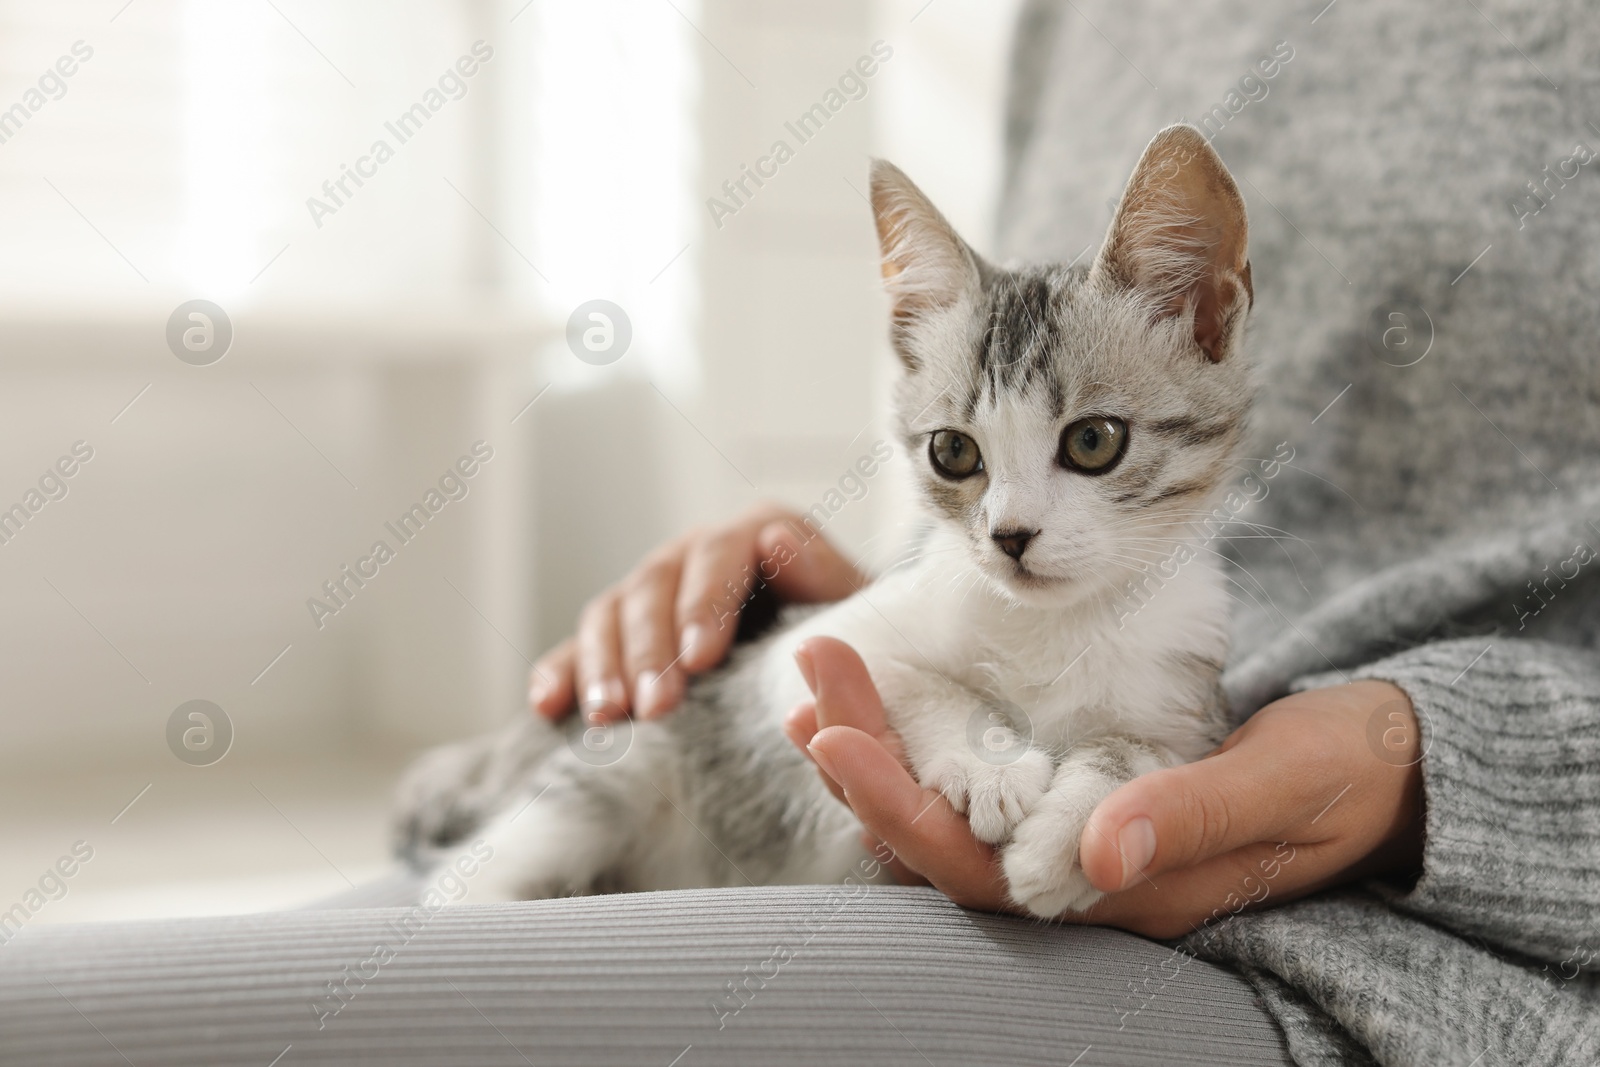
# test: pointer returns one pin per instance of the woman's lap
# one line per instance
(797, 975)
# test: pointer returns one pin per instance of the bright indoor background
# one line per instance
(427, 313)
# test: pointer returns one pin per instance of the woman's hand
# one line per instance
(1316, 789)
(675, 615)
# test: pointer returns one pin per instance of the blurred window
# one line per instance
(158, 150)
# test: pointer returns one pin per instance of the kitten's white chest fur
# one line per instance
(1104, 666)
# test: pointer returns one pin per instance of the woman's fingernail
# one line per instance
(538, 691)
(1137, 843)
(808, 670)
(603, 698)
(695, 637)
(657, 693)
(821, 759)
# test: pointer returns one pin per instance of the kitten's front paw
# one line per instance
(1041, 864)
(994, 796)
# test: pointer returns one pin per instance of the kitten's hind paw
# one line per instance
(994, 796)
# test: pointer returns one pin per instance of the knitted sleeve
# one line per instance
(1511, 771)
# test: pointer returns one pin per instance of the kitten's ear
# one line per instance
(926, 265)
(1180, 239)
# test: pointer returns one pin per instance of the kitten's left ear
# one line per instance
(926, 265)
(1180, 239)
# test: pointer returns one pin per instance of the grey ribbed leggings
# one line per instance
(758, 976)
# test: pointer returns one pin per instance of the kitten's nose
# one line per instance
(1013, 542)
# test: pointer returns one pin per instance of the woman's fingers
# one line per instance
(718, 573)
(649, 635)
(803, 567)
(800, 726)
(721, 569)
(902, 874)
(601, 690)
(860, 758)
(924, 831)
(677, 614)
(838, 679)
(551, 685)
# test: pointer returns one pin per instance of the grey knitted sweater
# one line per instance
(1425, 238)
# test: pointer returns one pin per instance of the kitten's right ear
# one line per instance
(1180, 239)
(926, 265)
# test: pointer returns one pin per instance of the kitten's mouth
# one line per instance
(1024, 578)
(1021, 576)
(1040, 587)
(1028, 587)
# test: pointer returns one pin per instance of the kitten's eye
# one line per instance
(1093, 445)
(954, 455)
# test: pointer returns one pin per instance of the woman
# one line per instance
(1402, 855)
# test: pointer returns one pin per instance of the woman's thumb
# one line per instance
(1178, 817)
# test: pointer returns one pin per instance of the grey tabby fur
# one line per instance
(751, 793)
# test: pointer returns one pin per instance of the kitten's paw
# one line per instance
(1041, 865)
(994, 796)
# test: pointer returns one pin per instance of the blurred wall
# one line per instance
(792, 366)
(372, 351)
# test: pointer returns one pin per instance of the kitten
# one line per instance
(1067, 429)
